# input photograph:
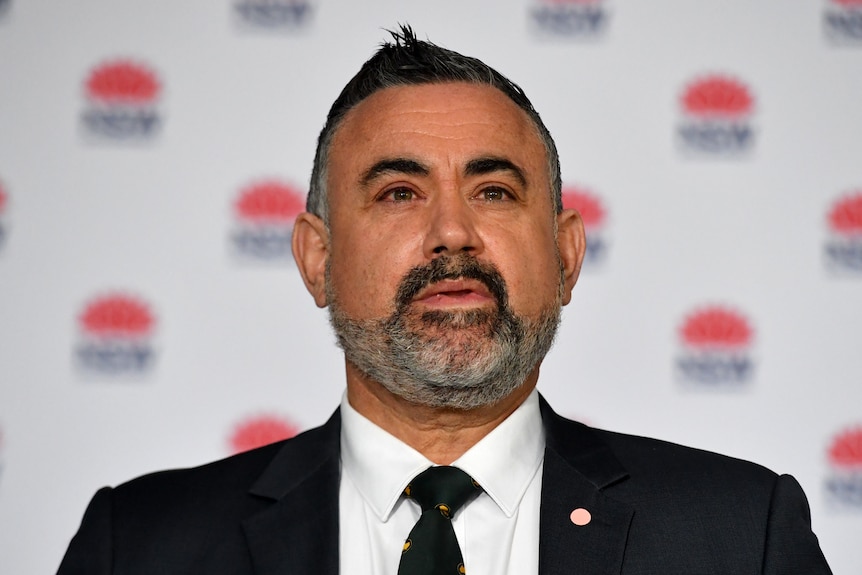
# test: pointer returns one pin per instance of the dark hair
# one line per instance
(406, 62)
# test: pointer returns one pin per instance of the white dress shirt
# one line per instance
(498, 531)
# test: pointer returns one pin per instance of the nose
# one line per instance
(451, 227)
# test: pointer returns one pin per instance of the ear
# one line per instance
(310, 244)
(572, 243)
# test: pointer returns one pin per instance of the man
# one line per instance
(435, 235)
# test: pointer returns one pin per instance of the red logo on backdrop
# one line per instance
(715, 347)
(844, 483)
(716, 116)
(264, 214)
(259, 431)
(122, 82)
(122, 101)
(842, 21)
(843, 247)
(4, 200)
(716, 328)
(274, 14)
(594, 214)
(717, 97)
(115, 335)
(579, 19)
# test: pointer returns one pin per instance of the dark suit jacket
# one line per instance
(657, 508)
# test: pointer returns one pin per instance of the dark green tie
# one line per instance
(431, 548)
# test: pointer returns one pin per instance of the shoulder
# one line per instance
(226, 483)
(640, 468)
(193, 517)
(706, 503)
(653, 462)
(233, 473)
(644, 453)
(609, 456)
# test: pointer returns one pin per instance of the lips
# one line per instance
(462, 291)
(452, 281)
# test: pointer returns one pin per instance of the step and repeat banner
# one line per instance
(153, 156)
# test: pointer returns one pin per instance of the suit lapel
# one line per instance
(298, 533)
(578, 466)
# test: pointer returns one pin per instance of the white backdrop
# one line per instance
(152, 155)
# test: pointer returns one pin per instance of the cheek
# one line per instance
(532, 272)
(365, 278)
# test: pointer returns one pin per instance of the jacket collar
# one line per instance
(578, 468)
(299, 532)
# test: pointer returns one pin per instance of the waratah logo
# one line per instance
(121, 101)
(260, 430)
(843, 248)
(594, 215)
(264, 214)
(844, 483)
(4, 201)
(115, 335)
(716, 116)
(842, 20)
(715, 347)
(584, 19)
(274, 14)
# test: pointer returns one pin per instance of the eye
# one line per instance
(494, 194)
(400, 194)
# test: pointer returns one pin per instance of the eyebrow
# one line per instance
(476, 167)
(482, 166)
(393, 165)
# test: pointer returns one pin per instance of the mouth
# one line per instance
(461, 292)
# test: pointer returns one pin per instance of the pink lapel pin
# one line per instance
(580, 517)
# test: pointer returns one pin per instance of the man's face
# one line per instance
(442, 246)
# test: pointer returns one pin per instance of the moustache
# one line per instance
(451, 268)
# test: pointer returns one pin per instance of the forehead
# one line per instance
(447, 123)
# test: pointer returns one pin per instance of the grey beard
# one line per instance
(460, 359)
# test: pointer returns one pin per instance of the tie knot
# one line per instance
(445, 488)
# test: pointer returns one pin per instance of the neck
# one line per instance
(440, 434)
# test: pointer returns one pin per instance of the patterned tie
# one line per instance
(431, 548)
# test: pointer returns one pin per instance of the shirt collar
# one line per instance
(503, 462)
